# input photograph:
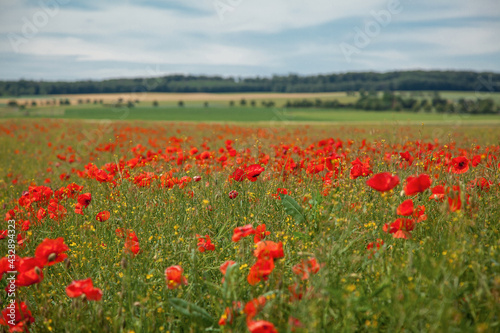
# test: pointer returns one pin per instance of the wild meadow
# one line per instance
(182, 227)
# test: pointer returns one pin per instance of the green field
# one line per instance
(248, 114)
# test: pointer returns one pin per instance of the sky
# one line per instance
(95, 39)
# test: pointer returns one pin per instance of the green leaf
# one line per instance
(193, 311)
(292, 208)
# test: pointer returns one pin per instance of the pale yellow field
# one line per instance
(186, 97)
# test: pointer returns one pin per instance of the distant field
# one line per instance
(249, 114)
(191, 98)
(203, 107)
(198, 99)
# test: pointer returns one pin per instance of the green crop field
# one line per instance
(248, 114)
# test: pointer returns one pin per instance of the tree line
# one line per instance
(390, 101)
(369, 81)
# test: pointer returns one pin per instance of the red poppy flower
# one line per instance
(360, 169)
(253, 307)
(84, 287)
(417, 184)
(20, 240)
(296, 291)
(269, 250)
(21, 317)
(84, 199)
(144, 179)
(205, 243)
(30, 272)
(406, 156)
(374, 246)
(454, 203)
(229, 314)
(460, 164)
(260, 270)
(103, 216)
(132, 247)
(419, 214)
(238, 175)
(26, 225)
(56, 211)
(400, 228)
(260, 233)
(122, 233)
(306, 267)
(280, 191)
(406, 208)
(71, 190)
(261, 326)
(174, 278)
(241, 232)
(476, 160)
(253, 171)
(51, 251)
(437, 193)
(78, 208)
(102, 176)
(481, 183)
(132, 243)
(41, 213)
(233, 194)
(383, 182)
(223, 268)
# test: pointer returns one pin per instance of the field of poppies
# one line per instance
(179, 227)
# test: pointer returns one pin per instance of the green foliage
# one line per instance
(193, 312)
(292, 208)
(367, 81)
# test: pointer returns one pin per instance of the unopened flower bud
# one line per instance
(123, 263)
(67, 263)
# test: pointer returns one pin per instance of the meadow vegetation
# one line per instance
(231, 228)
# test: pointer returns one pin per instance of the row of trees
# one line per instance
(242, 102)
(390, 101)
(401, 80)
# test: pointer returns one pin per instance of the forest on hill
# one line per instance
(368, 81)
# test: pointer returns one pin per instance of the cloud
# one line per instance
(249, 36)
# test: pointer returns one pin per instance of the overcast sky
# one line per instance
(96, 39)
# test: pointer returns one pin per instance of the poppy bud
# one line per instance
(38, 271)
(67, 263)
(123, 263)
(52, 257)
(233, 194)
